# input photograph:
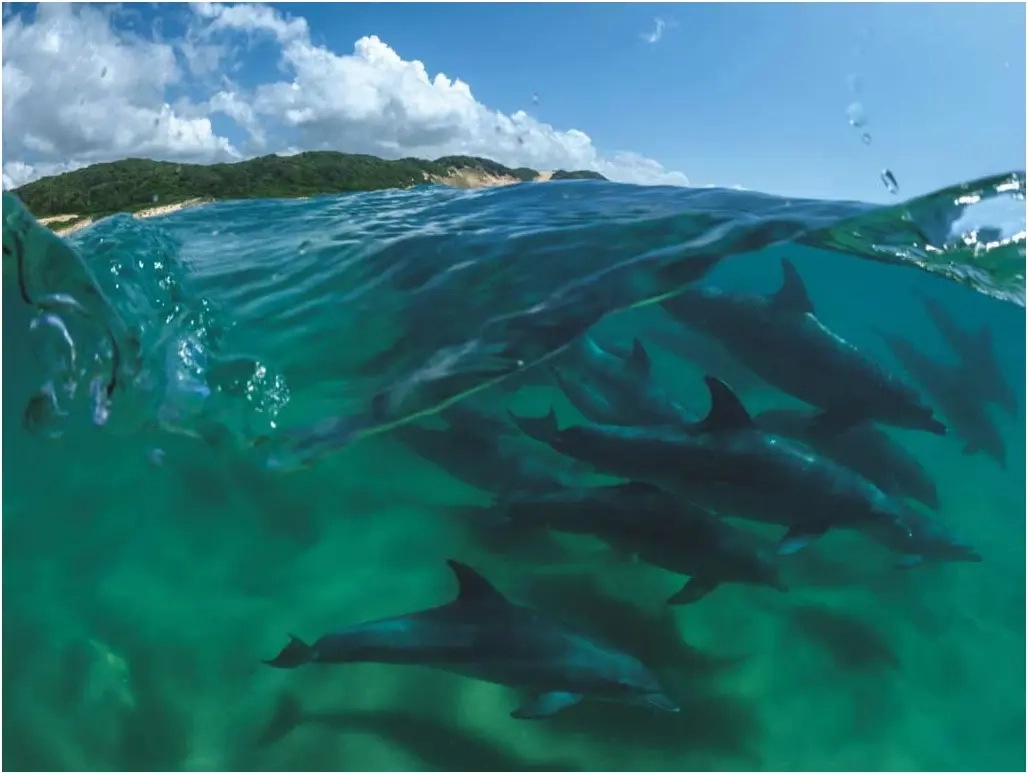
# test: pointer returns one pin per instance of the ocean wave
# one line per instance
(386, 306)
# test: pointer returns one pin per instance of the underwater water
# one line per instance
(211, 442)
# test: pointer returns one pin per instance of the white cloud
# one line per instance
(656, 34)
(77, 89)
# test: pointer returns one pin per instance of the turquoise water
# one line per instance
(235, 473)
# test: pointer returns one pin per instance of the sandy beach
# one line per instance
(63, 225)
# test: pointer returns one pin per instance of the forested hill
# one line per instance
(136, 183)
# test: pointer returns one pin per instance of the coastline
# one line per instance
(76, 223)
(67, 224)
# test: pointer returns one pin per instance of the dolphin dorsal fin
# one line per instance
(473, 587)
(726, 410)
(792, 295)
(639, 359)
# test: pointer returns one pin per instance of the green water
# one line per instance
(140, 596)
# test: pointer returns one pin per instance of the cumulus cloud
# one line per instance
(80, 88)
(76, 90)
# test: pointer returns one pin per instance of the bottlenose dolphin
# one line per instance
(781, 340)
(477, 450)
(977, 353)
(704, 352)
(968, 415)
(929, 541)
(615, 388)
(483, 635)
(660, 528)
(727, 464)
(863, 448)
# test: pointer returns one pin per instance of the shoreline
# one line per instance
(458, 178)
(77, 223)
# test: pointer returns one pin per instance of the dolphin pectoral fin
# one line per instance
(909, 561)
(693, 590)
(545, 705)
(288, 715)
(970, 449)
(798, 538)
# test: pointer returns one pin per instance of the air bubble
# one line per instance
(855, 114)
(865, 138)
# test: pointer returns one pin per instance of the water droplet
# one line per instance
(855, 114)
(865, 138)
(155, 198)
(535, 98)
(853, 82)
(103, 73)
(889, 181)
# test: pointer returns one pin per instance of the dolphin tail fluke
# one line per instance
(294, 654)
(541, 428)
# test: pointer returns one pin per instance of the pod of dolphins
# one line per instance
(679, 475)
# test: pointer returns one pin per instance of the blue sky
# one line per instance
(730, 94)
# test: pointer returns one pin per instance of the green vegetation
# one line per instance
(581, 174)
(135, 183)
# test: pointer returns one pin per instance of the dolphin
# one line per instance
(477, 449)
(483, 635)
(727, 464)
(703, 352)
(661, 529)
(929, 541)
(968, 415)
(863, 448)
(616, 388)
(977, 352)
(781, 340)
